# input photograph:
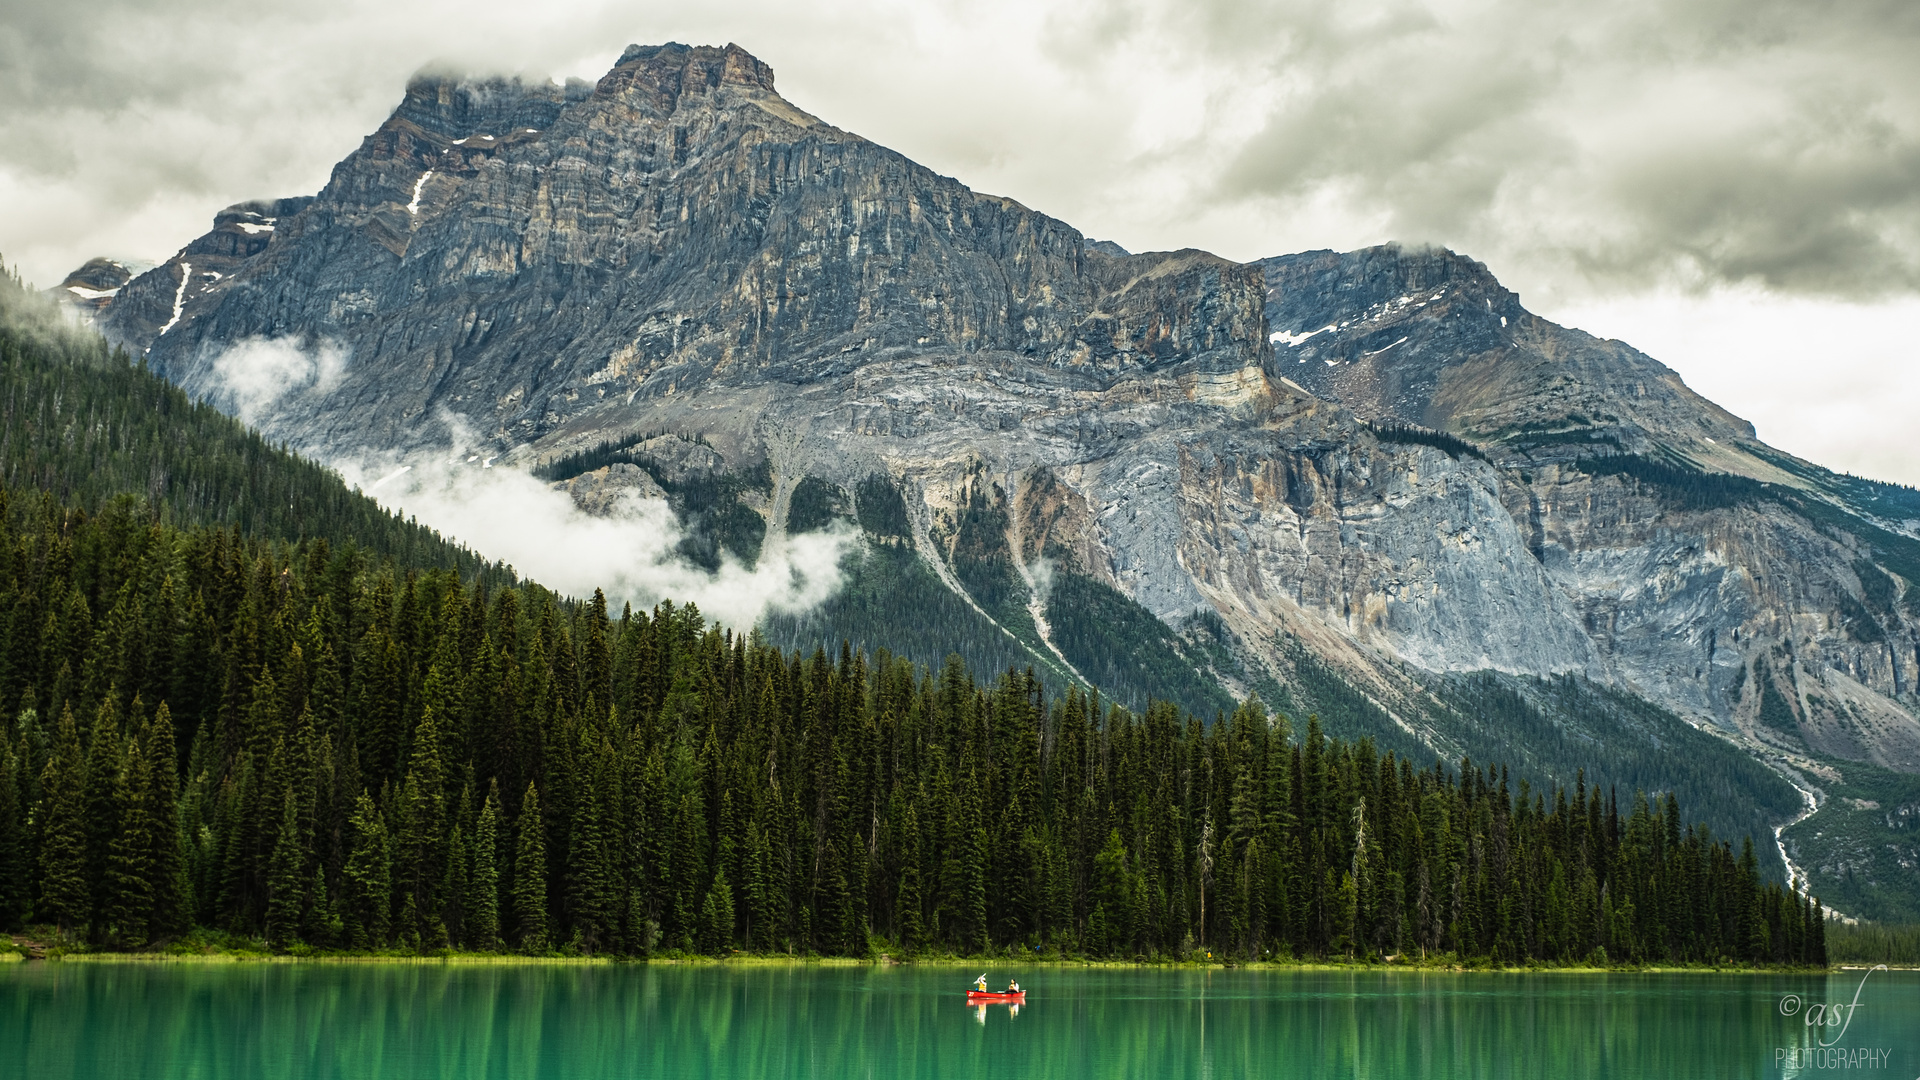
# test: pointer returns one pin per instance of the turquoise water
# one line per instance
(109, 1021)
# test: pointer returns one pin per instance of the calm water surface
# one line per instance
(108, 1021)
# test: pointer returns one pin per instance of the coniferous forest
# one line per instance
(240, 703)
(80, 420)
(310, 747)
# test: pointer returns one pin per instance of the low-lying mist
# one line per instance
(508, 515)
(505, 514)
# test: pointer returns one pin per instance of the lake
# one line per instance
(104, 1021)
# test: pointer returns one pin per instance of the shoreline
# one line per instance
(221, 957)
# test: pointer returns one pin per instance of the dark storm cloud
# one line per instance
(1693, 143)
(124, 125)
(1776, 143)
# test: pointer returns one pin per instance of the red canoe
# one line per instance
(976, 997)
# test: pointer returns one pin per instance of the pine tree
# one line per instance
(909, 903)
(483, 883)
(589, 880)
(287, 878)
(13, 848)
(127, 906)
(716, 916)
(421, 858)
(106, 793)
(368, 877)
(530, 876)
(166, 870)
(765, 902)
(65, 899)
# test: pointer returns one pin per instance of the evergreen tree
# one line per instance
(530, 875)
(127, 907)
(13, 848)
(65, 899)
(421, 856)
(716, 916)
(286, 878)
(105, 794)
(483, 895)
(1105, 932)
(166, 870)
(589, 879)
(368, 877)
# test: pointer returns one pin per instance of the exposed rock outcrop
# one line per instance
(602, 491)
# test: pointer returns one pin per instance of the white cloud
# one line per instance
(254, 375)
(508, 515)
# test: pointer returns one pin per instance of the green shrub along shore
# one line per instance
(303, 747)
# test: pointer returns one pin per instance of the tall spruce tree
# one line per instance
(287, 880)
(367, 878)
(127, 907)
(65, 898)
(421, 858)
(166, 869)
(530, 875)
(13, 847)
(716, 916)
(483, 882)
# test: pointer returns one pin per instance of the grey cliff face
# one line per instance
(1688, 605)
(677, 251)
(520, 255)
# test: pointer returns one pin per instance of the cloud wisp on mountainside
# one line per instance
(257, 374)
(630, 553)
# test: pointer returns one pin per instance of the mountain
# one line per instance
(86, 427)
(1369, 485)
(94, 285)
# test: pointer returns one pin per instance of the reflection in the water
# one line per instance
(980, 1010)
(63, 1021)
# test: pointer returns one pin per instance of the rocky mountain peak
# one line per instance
(1428, 337)
(673, 69)
(457, 106)
(1314, 285)
(678, 225)
(94, 285)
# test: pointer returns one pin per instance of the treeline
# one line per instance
(598, 456)
(297, 744)
(1874, 943)
(1408, 435)
(1690, 488)
(83, 421)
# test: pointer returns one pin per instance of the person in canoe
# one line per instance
(980, 983)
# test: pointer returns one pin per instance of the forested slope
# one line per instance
(285, 742)
(83, 421)
(236, 698)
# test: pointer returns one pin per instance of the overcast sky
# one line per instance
(1733, 187)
